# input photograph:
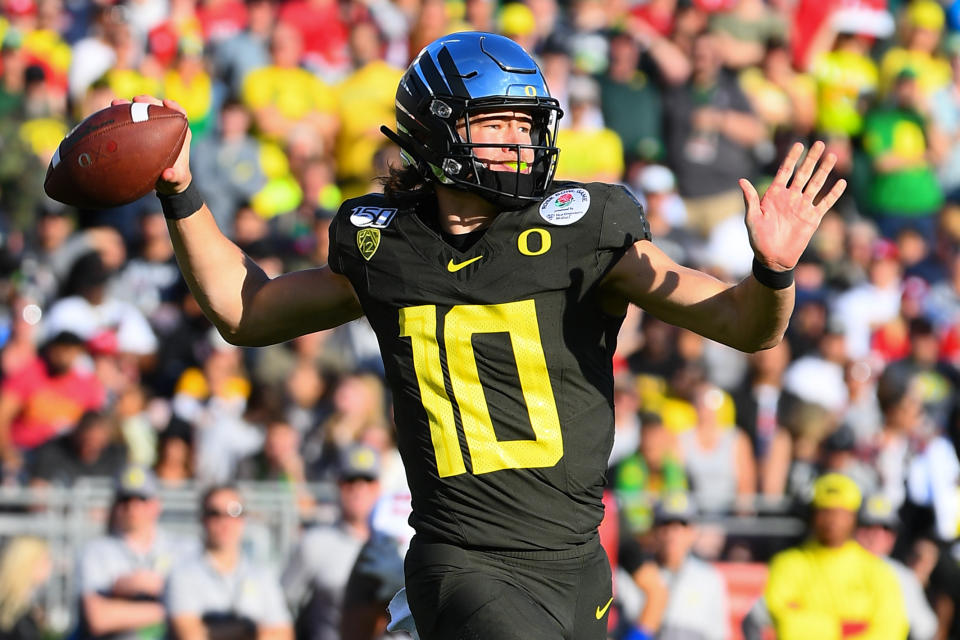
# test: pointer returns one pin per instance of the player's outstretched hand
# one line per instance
(176, 178)
(781, 223)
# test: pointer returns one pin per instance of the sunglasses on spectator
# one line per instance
(234, 510)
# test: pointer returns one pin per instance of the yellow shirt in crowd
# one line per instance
(843, 79)
(834, 594)
(366, 100)
(590, 155)
(932, 73)
(295, 92)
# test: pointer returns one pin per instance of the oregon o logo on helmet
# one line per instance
(530, 90)
(523, 242)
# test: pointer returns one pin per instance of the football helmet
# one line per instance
(452, 80)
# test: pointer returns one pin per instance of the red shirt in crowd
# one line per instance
(49, 405)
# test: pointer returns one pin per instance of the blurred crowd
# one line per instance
(106, 360)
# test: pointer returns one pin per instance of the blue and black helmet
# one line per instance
(453, 79)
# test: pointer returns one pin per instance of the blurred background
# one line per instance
(109, 368)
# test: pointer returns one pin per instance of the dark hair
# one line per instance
(404, 185)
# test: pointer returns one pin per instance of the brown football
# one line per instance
(115, 155)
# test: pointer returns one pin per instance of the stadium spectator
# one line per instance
(282, 96)
(121, 575)
(594, 153)
(364, 101)
(630, 100)
(904, 431)
(710, 130)
(358, 404)
(644, 477)
(229, 160)
(90, 311)
(758, 398)
(90, 450)
(221, 592)
(187, 82)
(830, 586)
(903, 191)
(877, 533)
(675, 595)
(945, 125)
(717, 456)
(44, 398)
(149, 279)
(869, 304)
(923, 23)
(175, 455)
(626, 423)
(25, 566)
(316, 575)
(322, 29)
(744, 30)
(666, 213)
(234, 57)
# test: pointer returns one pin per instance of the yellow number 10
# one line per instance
(519, 321)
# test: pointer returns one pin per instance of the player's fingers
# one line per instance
(820, 176)
(808, 164)
(787, 166)
(147, 99)
(173, 104)
(117, 101)
(751, 199)
(831, 198)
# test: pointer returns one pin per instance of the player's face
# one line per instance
(506, 127)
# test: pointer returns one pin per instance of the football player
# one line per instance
(496, 295)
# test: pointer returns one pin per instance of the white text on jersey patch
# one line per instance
(565, 207)
(372, 217)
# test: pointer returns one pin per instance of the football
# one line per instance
(115, 155)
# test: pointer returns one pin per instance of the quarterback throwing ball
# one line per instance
(496, 294)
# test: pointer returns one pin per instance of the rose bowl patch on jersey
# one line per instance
(565, 207)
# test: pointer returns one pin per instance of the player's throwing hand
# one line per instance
(781, 223)
(176, 178)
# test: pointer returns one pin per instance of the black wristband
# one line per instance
(177, 206)
(770, 278)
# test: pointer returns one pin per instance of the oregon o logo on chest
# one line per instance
(537, 246)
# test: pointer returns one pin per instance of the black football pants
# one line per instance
(458, 594)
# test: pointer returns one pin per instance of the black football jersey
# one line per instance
(499, 360)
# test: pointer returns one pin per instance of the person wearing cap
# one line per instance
(677, 595)
(221, 593)
(121, 575)
(318, 569)
(830, 587)
(923, 22)
(877, 533)
(667, 215)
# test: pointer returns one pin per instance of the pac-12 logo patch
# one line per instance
(565, 207)
(372, 217)
(368, 241)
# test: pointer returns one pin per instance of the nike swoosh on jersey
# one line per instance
(603, 611)
(453, 267)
